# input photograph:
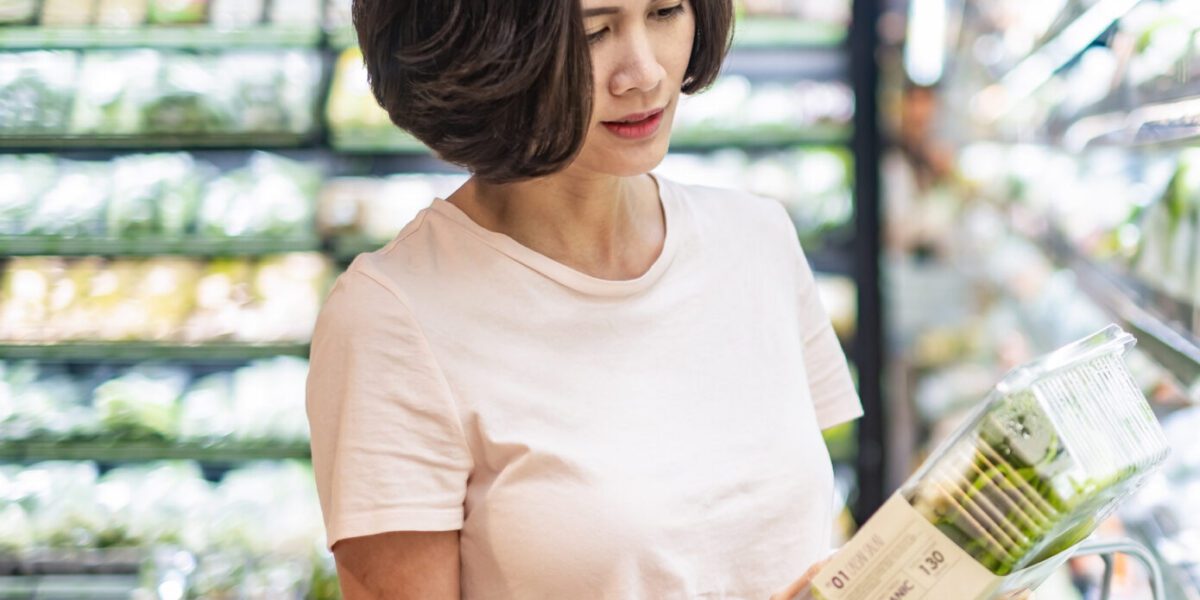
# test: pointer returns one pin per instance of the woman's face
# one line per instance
(640, 51)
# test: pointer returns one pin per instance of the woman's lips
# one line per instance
(637, 129)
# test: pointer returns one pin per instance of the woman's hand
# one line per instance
(800, 585)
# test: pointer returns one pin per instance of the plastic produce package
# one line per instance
(997, 507)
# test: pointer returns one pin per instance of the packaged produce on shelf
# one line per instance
(1033, 471)
(178, 12)
(68, 13)
(40, 404)
(155, 92)
(36, 91)
(273, 299)
(119, 14)
(141, 404)
(74, 205)
(338, 16)
(261, 402)
(154, 195)
(737, 109)
(1168, 255)
(200, 539)
(270, 197)
(256, 405)
(813, 183)
(232, 14)
(168, 196)
(353, 111)
(296, 12)
(1166, 52)
(17, 12)
(378, 208)
(822, 11)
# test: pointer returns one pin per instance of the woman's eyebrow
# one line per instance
(603, 10)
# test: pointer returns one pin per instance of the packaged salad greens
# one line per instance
(1034, 470)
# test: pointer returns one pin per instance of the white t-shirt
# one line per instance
(653, 438)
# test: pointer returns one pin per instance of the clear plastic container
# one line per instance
(1058, 443)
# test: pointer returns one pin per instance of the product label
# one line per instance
(898, 555)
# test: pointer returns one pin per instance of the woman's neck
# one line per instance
(605, 226)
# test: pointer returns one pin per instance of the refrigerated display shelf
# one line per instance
(185, 37)
(116, 451)
(69, 587)
(375, 141)
(34, 245)
(32, 143)
(93, 351)
(784, 32)
(1173, 342)
(761, 137)
(42, 562)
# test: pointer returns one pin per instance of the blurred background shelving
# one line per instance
(1043, 183)
(181, 181)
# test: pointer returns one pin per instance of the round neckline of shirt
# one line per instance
(570, 276)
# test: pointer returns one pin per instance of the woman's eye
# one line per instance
(667, 13)
(592, 38)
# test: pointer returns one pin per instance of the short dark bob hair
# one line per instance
(501, 87)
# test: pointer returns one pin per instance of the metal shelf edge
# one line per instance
(1173, 347)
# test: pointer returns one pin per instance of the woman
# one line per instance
(570, 378)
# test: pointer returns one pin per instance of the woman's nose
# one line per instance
(639, 69)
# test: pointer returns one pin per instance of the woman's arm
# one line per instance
(399, 566)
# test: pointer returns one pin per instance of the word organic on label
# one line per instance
(899, 555)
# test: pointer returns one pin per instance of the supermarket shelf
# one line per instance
(774, 63)
(188, 37)
(1168, 122)
(760, 137)
(375, 141)
(755, 32)
(90, 351)
(1059, 49)
(1172, 343)
(61, 587)
(143, 451)
(30, 245)
(22, 142)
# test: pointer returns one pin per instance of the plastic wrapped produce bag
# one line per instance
(17, 12)
(23, 180)
(1034, 470)
(68, 13)
(178, 12)
(297, 13)
(36, 91)
(121, 13)
(142, 404)
(234, 14)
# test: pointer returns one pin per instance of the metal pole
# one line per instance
(869, 344)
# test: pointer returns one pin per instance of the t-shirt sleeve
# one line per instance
(833, 393)
(388, 448)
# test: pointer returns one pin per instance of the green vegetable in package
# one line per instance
(1045, 460)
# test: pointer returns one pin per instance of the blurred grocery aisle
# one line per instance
(180, 182)
(1043, 182)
